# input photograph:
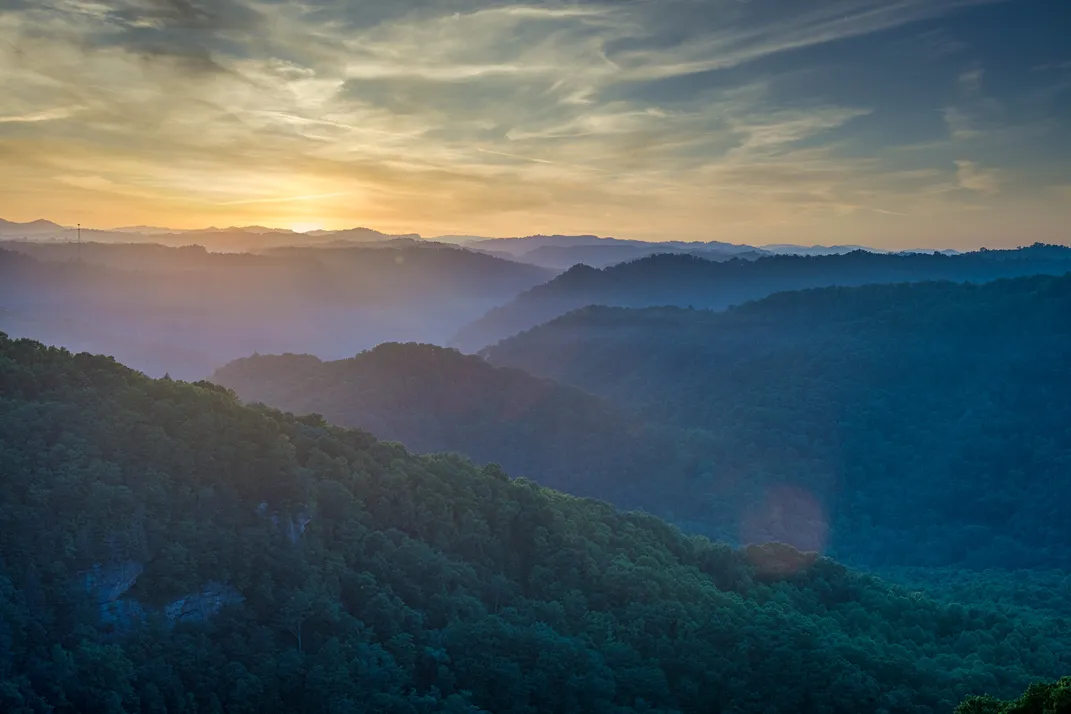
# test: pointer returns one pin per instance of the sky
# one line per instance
(891, 123)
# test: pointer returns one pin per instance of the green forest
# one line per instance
(434, 399)
(167, 549)
(850, 416)
(842, 420)
(1040, 698)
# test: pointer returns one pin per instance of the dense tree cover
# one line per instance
(924, 424)
(420, 584)
(1040, 698)
(1046, 592)
(186, 311)
(685, 280)
(434, 399)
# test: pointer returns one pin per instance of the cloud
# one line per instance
(441, 114)
(960, 124)
(775, 129)
(970, 82)
(43, 115)
(732, 43)
(973, 177)
(93, 183)
(1053, 66)
(284, 199)
(974, 114)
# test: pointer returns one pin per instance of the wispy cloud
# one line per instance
(735, 43)
(973, 177)
(673, 118)
(513, 156)
(284, 199)
(1053, 66)
(970, 82)
(45, 115)
(960, 124)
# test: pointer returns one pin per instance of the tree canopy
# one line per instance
(919, 424)
(434, 399)
(164, 548)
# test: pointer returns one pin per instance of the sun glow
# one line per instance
(306, 227)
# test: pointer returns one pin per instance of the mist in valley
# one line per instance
(186, 311)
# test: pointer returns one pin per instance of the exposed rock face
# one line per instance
(200, 607)
(293, 525)
(778, 560)
(108, 583)
(122, 613)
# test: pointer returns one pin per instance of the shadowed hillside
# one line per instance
(911, 424)
(434, 399)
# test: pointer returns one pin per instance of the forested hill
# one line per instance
(164, 548)
(435, 399)
(684, 280)
(925, 424)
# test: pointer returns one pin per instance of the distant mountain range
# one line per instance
(34, 229)
(557, 252)
(232, 239)
(562, 251)
(689, 280)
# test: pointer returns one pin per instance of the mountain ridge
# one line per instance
(685, 280)
(558, 251)
(436, 399)
(848, 415)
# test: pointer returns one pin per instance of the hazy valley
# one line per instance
(185, 311)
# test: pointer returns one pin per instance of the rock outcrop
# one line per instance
(201, 606)
(292, 525)
(109, 583)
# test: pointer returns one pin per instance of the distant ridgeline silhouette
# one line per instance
(684, 280)
(164, 548)
(908, 424)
